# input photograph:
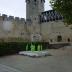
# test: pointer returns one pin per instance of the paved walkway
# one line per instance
(5, 68)
(61, 61)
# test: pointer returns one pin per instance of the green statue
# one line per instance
(38, 48)
(32, 47)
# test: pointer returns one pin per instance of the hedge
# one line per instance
(8, 48)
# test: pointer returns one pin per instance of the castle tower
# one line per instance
(34, 8)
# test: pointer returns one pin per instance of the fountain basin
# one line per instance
(34, 53)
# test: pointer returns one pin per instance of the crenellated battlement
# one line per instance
(12, 18)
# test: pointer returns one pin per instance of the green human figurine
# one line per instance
(32, 47)
(38, 48)
(27, 47)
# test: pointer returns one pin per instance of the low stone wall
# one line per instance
(58, 45)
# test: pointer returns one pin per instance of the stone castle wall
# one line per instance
(51, 30)
(12, 27)
(18, 29)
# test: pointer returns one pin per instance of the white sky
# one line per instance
(17, 8)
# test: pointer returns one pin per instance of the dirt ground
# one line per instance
(60, 61)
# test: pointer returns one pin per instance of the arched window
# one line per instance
(59, 38)
(51, 40)
(68, 39)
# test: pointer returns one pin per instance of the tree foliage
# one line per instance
(64, 7)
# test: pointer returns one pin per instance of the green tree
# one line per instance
(64, 7)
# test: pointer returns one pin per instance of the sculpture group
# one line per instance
(33, 47)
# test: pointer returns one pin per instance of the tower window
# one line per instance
(35, 0)
(41, 0)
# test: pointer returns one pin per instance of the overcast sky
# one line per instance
(17, 7)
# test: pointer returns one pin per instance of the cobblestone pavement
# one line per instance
(55, 63)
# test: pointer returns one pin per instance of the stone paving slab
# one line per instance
(4, 68)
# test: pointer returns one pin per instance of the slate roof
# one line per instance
(50, 15)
